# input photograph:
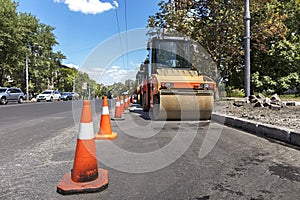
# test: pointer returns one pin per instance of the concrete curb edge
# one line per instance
(263, 130)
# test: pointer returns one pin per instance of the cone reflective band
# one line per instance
(85, 175)
(105, 111)
(105, 131)
(85, 131)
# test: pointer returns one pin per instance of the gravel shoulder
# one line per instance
(287, 117)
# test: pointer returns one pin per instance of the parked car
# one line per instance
(57, 95)
(11, 95)
(75, 96)
(66, 96)
(69, 96)
(49, 95)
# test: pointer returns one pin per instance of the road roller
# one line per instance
(173, 89)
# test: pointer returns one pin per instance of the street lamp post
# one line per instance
(27, 95)
(247, 48)
(36, 47)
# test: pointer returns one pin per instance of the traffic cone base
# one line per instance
(117, 119)
(111, 136)
(67, 186)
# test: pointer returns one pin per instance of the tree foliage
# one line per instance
(23, 34)
(219, 27)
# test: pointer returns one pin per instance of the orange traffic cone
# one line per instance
(85, 175)
(122, 104)
(105, 132)
(126, 102)
(118, 112)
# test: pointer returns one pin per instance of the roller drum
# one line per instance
(184, 107)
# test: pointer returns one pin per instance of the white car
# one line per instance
(49, 95)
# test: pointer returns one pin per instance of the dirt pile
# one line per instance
(264, 110)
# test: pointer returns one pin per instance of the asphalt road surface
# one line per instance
(148, 160)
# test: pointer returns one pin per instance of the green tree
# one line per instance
(65, 79)
(219, 27)
(278, 56)
(8, 43)
(21, 34)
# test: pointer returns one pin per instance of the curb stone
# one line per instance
(259, 129)
(295, 138)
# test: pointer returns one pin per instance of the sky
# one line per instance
(95, 36)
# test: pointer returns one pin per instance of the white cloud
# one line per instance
(115, 67)
(116, 4)
(98, 70)
(94, 73)
(116, 74)
(88, 6)
(72, 66)
(110, 75)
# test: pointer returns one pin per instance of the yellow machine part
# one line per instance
(193, 105)
(184, 107)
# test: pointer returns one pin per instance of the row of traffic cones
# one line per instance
(121, 105)
(85, 175)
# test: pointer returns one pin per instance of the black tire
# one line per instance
(3, 101)
(21, 100)
(140, 98)
(154, 112)
(51, 99)
(145, 107)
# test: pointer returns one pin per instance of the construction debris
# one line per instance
(290, 103)
(259, 103)
(275, 107)
(260, 100)
(240, 102)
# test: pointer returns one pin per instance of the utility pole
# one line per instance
(247, 48)
(89, 91)
(27, 94)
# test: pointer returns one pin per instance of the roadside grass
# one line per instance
(289, 97)
(236, 94)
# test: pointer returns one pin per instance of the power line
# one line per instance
(126, 36)
(82, 49)
(120, 39)
(126, 29)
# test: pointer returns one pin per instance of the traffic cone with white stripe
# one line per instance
(118, 112)
(105, 132)
(85, 175)
(122, 104)
(126, 102)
